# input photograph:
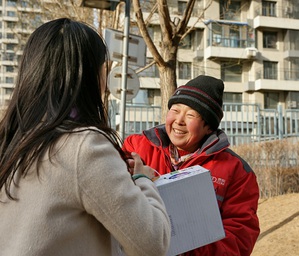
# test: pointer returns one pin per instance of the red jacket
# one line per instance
(234, 181)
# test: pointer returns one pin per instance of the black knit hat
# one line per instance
(203, 94)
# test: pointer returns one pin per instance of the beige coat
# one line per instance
(79, 199)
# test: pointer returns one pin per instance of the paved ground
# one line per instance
(279, 222)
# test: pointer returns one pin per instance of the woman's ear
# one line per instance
(209, 131)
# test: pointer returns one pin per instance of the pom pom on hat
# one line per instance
(203, 94)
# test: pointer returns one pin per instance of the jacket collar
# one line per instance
(158, 136)
(214, 143)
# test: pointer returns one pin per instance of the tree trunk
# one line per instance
(168, 85)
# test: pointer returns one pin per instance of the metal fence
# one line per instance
(243, 123)
(246, 123)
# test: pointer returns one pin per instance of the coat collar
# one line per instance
(216, 142)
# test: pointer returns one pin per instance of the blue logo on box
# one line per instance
(179, 175)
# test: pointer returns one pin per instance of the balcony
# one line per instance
(230, 39)
(271, 79)
(291, 54)
(226, 52)
(276, 18)
(230, 47)
(269, 84)
(279, 85)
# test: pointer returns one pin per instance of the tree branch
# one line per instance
(143, 30)
(166, 24)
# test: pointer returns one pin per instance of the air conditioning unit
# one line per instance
(251, 52)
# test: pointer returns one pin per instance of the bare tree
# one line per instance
(173, 29)
(33, 13)
(57, 9)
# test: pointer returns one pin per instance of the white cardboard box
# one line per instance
(192, 207)
(191, 204)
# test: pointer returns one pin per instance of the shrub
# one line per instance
(275, 164)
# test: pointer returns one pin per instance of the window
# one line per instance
(271, 100)
(292, 42)
(270, 40)
(291, 70)
(269, 8)
(36, 21)
(10, 24)
(11, 3)
(24, 25)
(141, 97)
(186, 43)
(234, 37)
(184, 70)
(292, 100)
(8, 90)
(216, 34)
(230, 10)
(9, 69)
(10, 47)
(151, 30)
(251, 37)
(152, 93)
(9, 56)
(154, 32)
(230, 35)
(270, 70)
(230, 97)
(145, 97)
(198, 39)
(24, 3)
(10, 36)
(9, 80)
(181, 7)
(11, 14)
(231, 72)
(151, 71)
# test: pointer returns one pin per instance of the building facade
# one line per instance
(252, 45)
(18, 19)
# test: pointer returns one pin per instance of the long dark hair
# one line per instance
(58, 89)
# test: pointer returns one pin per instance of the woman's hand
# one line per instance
(137, 166)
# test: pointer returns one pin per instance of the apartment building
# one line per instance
(8, 55)
(18, 19)
(253, 45)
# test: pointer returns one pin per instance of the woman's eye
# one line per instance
(192, 114)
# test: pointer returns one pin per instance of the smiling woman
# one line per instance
(191, 137)
(185, 127)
